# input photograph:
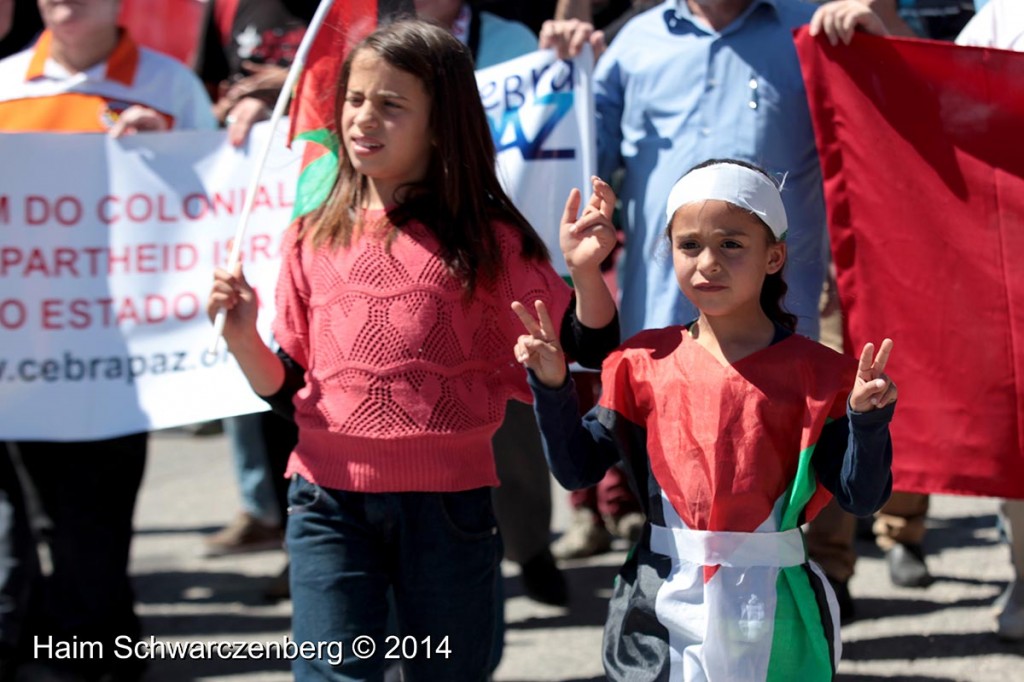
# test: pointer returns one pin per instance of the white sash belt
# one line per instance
(723, 548)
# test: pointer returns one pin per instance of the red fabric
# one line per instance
(725, 441)
(148, 22)
(313, 106)
(922, 154)
(224, 12)
(406, 379)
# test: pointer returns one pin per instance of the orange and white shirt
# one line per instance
(39, 95)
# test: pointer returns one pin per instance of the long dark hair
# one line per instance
(460, 195)
(774, 289)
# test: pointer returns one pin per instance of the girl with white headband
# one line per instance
(734, 431)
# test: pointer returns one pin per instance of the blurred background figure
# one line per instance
(522, 502)
(248, 48)
(83, 74)
(934, 19)
(20, 24)
(490, 38)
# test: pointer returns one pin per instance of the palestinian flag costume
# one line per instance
(729, 461)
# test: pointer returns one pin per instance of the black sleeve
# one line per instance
(578, 453)
(294, 379)
(853, 459)
(585, 345)
(211, 62)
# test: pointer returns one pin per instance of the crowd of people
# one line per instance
(388, 499)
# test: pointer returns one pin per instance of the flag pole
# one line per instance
(275, 118)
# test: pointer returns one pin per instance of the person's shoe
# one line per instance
(847, 611)
(629, 526)
(586, 537)
(244, 534)
(279, 589)
(907, 567)
(1010, 619)
(543, 581)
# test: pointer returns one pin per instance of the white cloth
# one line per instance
(738, 185)
(1000, 23)
(724, 548)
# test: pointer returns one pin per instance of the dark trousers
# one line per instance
(86, 496)
(438, 552)
(18, 560)
(523, 500)
(279, 436)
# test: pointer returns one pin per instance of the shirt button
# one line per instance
(752, 104)
(705, 131)
(753, 84)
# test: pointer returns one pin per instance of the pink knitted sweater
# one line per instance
(406, 380)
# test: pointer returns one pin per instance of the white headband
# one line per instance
(735, 184)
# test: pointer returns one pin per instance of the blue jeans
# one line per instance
(252, 467)
(439, 552)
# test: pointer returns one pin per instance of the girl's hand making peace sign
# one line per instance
(588, 240)
(873, 389)
(539, 349)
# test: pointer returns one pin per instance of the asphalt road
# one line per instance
(939, 634)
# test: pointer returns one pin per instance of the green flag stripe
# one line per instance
(799, 649)
(800, 490)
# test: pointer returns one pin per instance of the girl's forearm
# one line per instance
(577, 456)
(261, 366)
(595, 307)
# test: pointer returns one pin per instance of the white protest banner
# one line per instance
(106, 260)
(541, 112)
(108, 247)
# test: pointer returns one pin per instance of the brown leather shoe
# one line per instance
(244, 534)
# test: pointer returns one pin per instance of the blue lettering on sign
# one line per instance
(554, 104)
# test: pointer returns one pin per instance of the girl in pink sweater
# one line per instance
(395, 328)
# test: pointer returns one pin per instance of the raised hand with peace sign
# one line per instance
(873, 389)
(539, 349)
(587, 240)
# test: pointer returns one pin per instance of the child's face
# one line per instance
(385, 125)
(721, 254)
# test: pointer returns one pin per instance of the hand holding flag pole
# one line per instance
(254, 183)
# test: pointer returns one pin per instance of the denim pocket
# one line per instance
(302, 495)
(469, 514)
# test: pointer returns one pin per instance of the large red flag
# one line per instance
(314, 103)
(147, 22)
(922, 152)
